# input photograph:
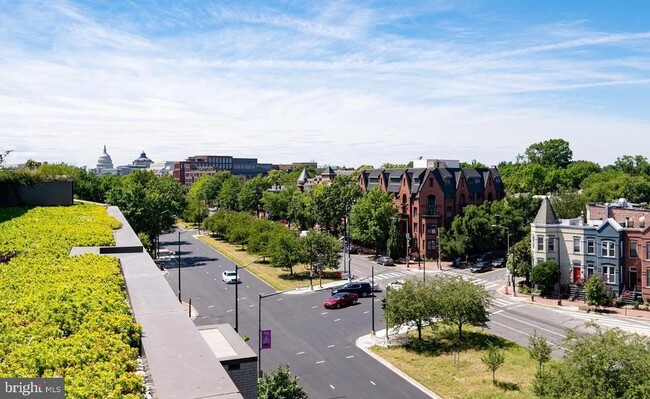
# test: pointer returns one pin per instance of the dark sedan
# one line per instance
(337, 301)
(386, 261)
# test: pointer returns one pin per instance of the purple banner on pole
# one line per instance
(266, 339)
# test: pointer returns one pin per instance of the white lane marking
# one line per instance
(366, 312)
(331, 346)
(279, 299)
(250, 306)
(528, 335)
(337, 319)
(372, 382)
(533, 325)
(515, 307)
(247, 287)
(243, 298)
(498, 311)
(210, 307)
(314, 307)
(320, 361)
(349, 357)
(229, 310)
(332, 386)
(300, 353)
(377, 300)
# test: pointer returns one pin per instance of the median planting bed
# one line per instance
(64, 316)
(454, 370)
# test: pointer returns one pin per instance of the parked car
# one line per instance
(499, 262)
(361, 288)
(341, 299)
(481, 266)
(395, 285)
(386, 261)
(230, 277)
(375, 287)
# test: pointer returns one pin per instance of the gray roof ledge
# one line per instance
(181, 363)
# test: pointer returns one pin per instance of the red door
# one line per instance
(577, 275)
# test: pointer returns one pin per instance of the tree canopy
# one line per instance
(371, 217)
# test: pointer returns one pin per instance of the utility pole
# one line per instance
(179, 267)
(372, 315)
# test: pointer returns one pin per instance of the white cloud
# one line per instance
(329, 85)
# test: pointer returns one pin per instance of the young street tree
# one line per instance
(595, 291)
(493, 359)
(279, 384)
(519, 259)
(321, 248)
(539, 349)
(415, 302)
(285, 249)
(461, 302)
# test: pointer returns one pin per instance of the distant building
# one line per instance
(290, 167)
(193, 168)
(141, 163)
(430, 198)
(305, 182)
(104, 165)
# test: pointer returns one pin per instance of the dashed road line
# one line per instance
(332, 386)
(372, 382)
(320, 362)
(331, 346)
(250, 306)
(349, 357)
(337, 319)
(300, 353)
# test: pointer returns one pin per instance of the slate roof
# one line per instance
(546, 214)
(302, 179)
(474, 179)
(394, 174)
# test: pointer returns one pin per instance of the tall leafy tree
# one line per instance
(250, 194)
(301, 210)
(322, 248)
(519, 261)
(553, 152)
(414, 302)
(286, 249)
(371, 217)
(276, 204)
(150, 203)
(392, 246)
(229, 193)
(280, 384)
(333, 206)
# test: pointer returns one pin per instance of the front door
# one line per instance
(632, 283)
(577, 275)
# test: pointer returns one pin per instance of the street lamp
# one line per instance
(512, 275)
(237, 267)
(259, 329)
(372, 315)
(179, 267)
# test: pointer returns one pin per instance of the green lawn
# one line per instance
(278, 278)
(433, 364)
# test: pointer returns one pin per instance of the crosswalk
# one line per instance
(385, 276)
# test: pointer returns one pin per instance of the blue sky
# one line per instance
(338, 82)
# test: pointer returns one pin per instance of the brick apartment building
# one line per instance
(430, 197)
(193, 168)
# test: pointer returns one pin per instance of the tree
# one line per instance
(553, 152)
(539, 350)
(276, 204)
(469, 231)
(250, 194)
(334, 202)
(519, 261)
(493, 358)
(229, 194)
(301, 210)
(595, 291)
(3, 156)
(633, 165)
(414, 302)
(604, 365)
(388, 165)
(286, 249)
(279, 384)
(321, 248)
(461, 302)
(150, 203)
(545, 275)
(577, 171)
(371, 217)
(569, 204)
(392, 246)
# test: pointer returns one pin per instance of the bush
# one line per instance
(545, 275)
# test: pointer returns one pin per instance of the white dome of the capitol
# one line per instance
(104, 161)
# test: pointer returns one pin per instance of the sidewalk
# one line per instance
(575, 305)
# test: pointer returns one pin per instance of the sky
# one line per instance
(337, 82)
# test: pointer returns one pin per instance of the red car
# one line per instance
(341, 299)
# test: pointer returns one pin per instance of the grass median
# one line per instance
(277, 277)
(456, 371)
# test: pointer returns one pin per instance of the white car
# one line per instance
(395, 285)
(230, 277)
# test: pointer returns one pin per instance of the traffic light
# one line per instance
(383, 303)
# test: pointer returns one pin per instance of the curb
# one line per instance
(364, 347)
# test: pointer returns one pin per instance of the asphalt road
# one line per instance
(318, 344)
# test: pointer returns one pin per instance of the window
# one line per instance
(415, 229)
(415, 211)
(633, 253)
(647, 278)
(591, 246)
(431, 229)
(647, 250)
(590, 270)
(395, 180)
(550, 246)
(373, 180)
(540, 243)
(449, 211)
(607, 249)
(432, 208)
(538, 261)
(576, 244)
(431, 245)
(609, 274)
(471, 196)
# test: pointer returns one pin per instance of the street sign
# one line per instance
(266, 339)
